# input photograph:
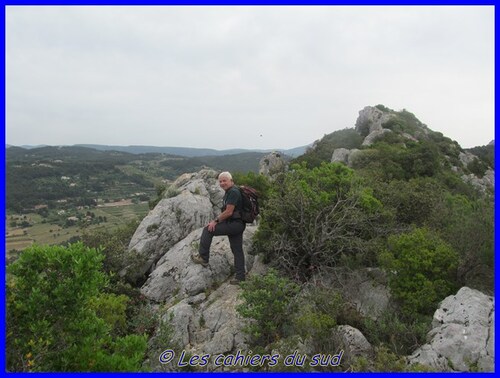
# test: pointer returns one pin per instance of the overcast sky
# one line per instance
(243, 77)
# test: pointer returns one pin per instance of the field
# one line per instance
(117, 213)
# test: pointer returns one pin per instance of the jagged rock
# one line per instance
(374, 135)
(213, 327)
(176, 275)
(466, 158)
(371, 119)
(487, 182)
(352, 342)
(340, 155)
(343, 155)
(272, 164)
(198, 201)
(462, 338)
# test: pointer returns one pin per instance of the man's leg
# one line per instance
(236, 243)
(234, 230)
(205, 243)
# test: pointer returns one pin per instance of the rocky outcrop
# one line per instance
(369, 124)
(466, 158)
(374, 135)
(343, 155)
(212, 326)
(462, 338)
(272, 164)
(196, 198)
(200, 307)
(483, 184)
(176, 275)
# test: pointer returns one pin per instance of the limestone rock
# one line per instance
(370, 120)
(340, 155)
(210, 327)
(466, 158)
(343, 155)
(487, 182)
(176, 275)
(272, 164)
(199, 199)
(352, 342)
(462, 338)
(374, 135)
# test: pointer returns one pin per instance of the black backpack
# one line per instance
(250, 203)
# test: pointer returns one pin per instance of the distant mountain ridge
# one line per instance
(179, 151)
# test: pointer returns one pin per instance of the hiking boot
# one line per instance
(197, 259)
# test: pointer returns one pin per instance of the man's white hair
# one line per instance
(226, 175)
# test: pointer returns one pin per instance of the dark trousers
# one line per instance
(234, 231)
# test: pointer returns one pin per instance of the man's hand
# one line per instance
(211, 226)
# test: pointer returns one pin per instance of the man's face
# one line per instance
(225, 183)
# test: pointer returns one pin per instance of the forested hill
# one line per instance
(81, 175)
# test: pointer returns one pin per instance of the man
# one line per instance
(227, 223)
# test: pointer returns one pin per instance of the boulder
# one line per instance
(352, 342)
(462, 338)
(197, 199)
(176, 275)
(272, 164)
(343, 155)
(340, 155)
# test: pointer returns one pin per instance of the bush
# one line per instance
(422, 270)
(314, 216)
(114, 245)
(59, 318)
(269, 303)
(468, 226)
(323, 149)
(402, 336)
(317, 316)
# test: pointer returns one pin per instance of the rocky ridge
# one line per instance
(200, 306)
(372, 125)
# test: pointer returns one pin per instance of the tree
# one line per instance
(314, 216)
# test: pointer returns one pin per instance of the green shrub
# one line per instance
(401, 335)
(323, 149)
(318, 309)
(468, 226)
(385, 361)
(59, 318)
(313, 216)
(114, 246)
(269, 303)
(422, 270)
